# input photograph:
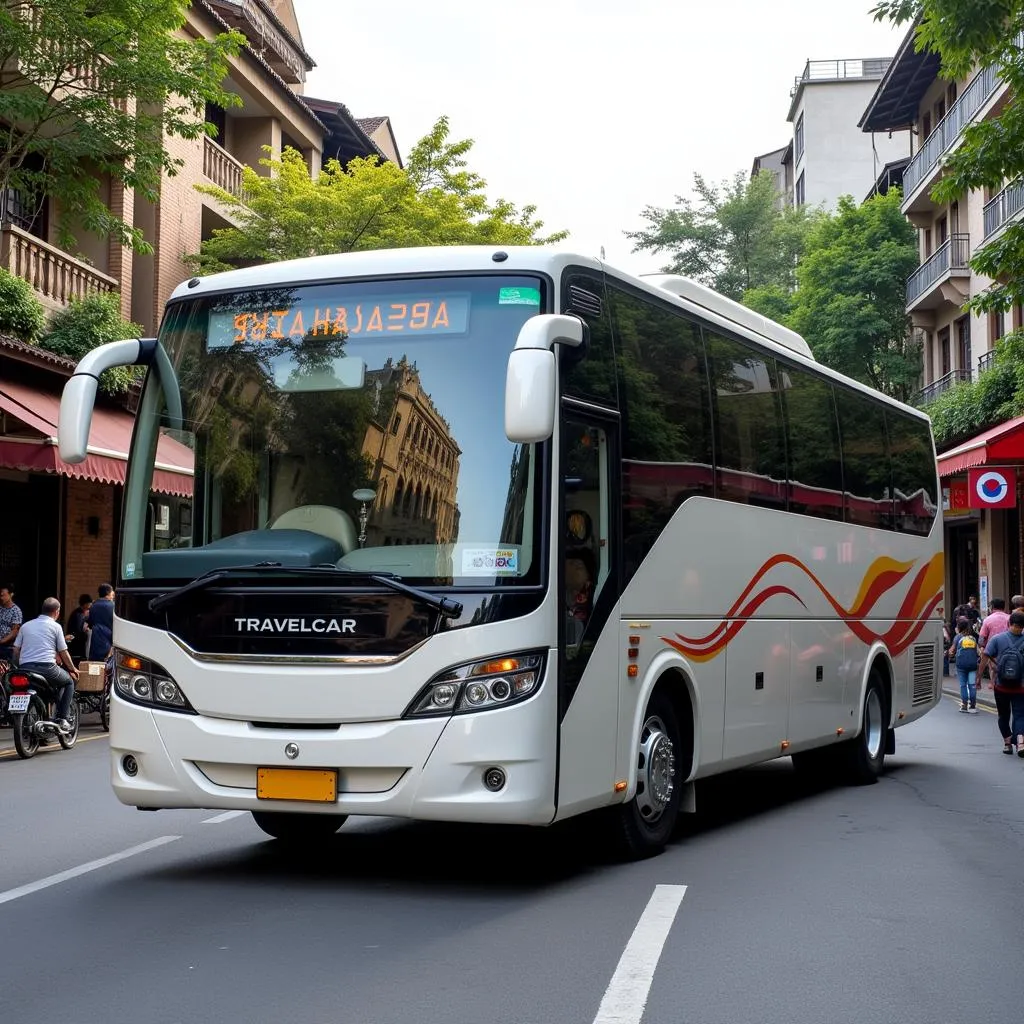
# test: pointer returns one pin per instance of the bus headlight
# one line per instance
(480, 686)
(145, 682)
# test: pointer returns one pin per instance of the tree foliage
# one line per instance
(850, 301)
(969, 34)
(86, 323)
(94, 87)
(21, 314)
(434, 200)
(732, 237)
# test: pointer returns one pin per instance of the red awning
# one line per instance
(1000, 445)
(109, 441)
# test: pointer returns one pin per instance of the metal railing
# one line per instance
(944, 383)
(952, 255)
(987, 361)
(51, 272)
(837, 70)
(1004, 207)
(221, 167)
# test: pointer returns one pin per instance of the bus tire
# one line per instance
(642, 827)
(864, 759)
(295, 828)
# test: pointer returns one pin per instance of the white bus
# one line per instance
(487, 535)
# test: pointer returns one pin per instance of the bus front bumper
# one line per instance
(430, 769)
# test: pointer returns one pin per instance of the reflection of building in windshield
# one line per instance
(414, 460)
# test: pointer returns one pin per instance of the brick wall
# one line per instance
(88, 559)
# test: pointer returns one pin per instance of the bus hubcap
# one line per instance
(656, 770)
(873, 724)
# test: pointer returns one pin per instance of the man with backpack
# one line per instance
(1006, 652)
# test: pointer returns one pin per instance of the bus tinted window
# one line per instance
(593, 377)
(750, 454)
(866, 472)
(913, 472)
(666, 425)
(812, 440)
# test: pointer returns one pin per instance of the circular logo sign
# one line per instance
(991, 487)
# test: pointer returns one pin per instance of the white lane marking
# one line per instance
(626, 996)
(226, 816)
(84, 869)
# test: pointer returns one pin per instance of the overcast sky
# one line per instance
(590, 109)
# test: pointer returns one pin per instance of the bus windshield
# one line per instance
(356, 423)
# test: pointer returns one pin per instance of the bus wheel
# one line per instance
(865, 755)
(293, 828)
(643, 826)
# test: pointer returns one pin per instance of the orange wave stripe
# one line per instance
(922, 598)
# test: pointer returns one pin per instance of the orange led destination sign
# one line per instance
(414, 314)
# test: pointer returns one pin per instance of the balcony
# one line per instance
(936, 281)
(987, 361)
(944, 383)
(221, 167)
(56, 277)
(947, 132)
(1003, 208)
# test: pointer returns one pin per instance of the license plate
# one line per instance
(312, 785)
(18, 703)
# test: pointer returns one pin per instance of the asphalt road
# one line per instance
(898, 902)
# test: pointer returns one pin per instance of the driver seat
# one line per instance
(324, 520)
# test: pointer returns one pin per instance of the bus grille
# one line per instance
(926, 673)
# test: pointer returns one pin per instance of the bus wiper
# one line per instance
(445, 605)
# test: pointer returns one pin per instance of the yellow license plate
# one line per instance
(313, 785)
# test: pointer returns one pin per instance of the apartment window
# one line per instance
(942, 229)
(926, 126)
(963, 342)
(800, 190)
(951, 94)
(944, 351)
(996, 326)
(798, 137)
(215, 115)
(940, 110)
(1018, 317)
(927, 242)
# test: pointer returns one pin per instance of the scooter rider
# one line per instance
(40, 647)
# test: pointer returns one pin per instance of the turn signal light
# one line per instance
(489, 668)
(632, 671)
(129, 661)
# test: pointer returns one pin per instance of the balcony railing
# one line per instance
(221, 167)
(52, 273)
(1004, 207)
(986, 362)
(944, 383)
(838, 70)
(952, 255)
(948, 130)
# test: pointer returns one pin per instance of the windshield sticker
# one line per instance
(129, 570)
(519, 297)
(490, 562)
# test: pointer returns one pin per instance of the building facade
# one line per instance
(829, 156)
(63, 520)
(983, 546)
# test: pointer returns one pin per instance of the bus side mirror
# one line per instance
(530, 380)
(79, 396)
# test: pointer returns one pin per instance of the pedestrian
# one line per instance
(78, 628)
(10, 622)
(1006, 652)
(42, 649)
(946, 641)
(101, 624)
(967, 611)
(996, 622)
(964, 654)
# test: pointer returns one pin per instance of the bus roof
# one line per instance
(426, 260)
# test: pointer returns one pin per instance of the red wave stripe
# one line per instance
(922, 598)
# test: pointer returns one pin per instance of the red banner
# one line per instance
(956, 497)
(992, 487)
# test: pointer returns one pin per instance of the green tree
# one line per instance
(21, 313)
(94, 87)
(850, 301)
(968, 34)
(733, 237)
(434, 200)
(86, 323)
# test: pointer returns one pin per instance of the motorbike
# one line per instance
(31, 703)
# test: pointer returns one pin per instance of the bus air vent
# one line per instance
(583, 303)
(925, 662)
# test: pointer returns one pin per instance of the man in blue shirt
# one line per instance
(1009, 693)
(41, 646)
(101, 624)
